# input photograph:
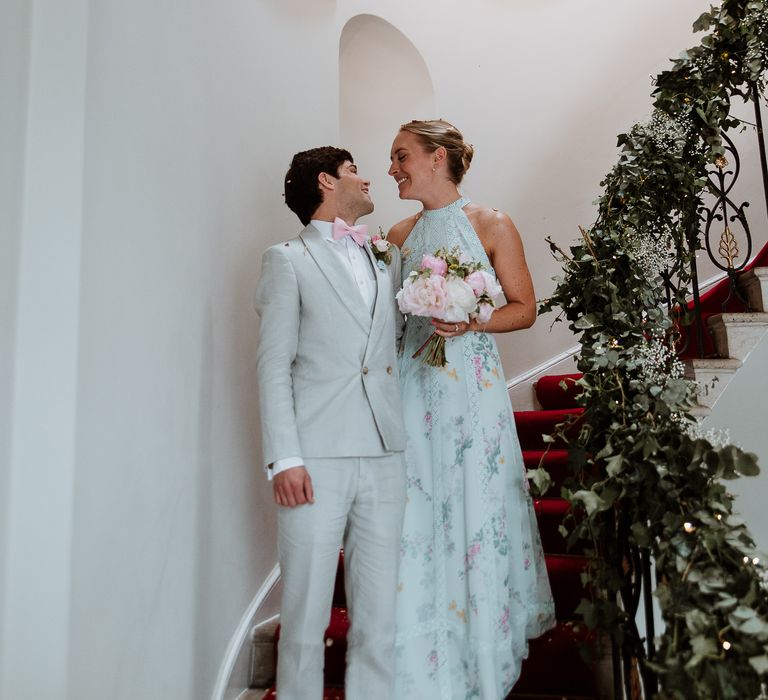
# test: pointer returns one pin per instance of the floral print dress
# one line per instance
(473, 586)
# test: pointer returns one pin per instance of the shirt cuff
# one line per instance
(281, 465)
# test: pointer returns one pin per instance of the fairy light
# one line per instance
(726, 645)
(689, 527)
(746, 560)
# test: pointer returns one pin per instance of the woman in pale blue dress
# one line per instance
(473, 585)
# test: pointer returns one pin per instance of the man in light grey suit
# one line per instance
(332, 426)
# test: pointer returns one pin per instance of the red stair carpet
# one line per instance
(554, 669)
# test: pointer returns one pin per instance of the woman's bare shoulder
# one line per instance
(400, 231)
(490, 222)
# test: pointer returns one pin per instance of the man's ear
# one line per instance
(326, 181)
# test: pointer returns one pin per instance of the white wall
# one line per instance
(541, 89)
(188, 142)
(14, 71)
(38, 537)
(157, 138)
(741, 411)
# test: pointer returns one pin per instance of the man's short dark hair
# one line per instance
(302, 191)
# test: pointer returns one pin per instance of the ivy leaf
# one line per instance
(675, 391)
(746, 464)
(702, 647)
(760, 664)
(702, 22)
(641, 534)
(540, 479)
(591, 501)
(614, 464)
(585, 322)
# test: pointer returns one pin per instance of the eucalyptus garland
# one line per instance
(641, 471)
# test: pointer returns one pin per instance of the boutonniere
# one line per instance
(380, 247)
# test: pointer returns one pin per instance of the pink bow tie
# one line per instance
(358, 234)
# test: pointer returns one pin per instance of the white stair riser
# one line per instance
(712, 375)
(735, 335)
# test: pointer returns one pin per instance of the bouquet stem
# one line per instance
(435, 351)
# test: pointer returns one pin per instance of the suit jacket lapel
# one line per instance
(342, 283)
(379, 304)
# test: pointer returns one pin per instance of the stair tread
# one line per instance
(750, 317)
(730, 363)
(551, 394)
(575, 677)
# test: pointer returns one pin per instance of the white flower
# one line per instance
(460, 302)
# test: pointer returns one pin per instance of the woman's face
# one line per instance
(412, 166)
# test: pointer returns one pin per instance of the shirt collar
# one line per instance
(325, 228)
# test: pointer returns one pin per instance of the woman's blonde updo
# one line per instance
(438, 132)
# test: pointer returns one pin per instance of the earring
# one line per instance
(433, 168)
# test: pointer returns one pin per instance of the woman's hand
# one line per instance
(451, 330)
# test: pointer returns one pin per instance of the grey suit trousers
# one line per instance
(359, 504)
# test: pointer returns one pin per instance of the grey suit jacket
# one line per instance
(327, 370)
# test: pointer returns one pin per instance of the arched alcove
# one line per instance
(383, 82)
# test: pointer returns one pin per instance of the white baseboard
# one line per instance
(520, 388)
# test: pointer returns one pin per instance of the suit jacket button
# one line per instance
(365, 370)
(389, 370)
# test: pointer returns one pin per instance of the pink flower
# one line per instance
(478, 368)
(484, 312)
(483, 283)
(477, 282)
(422, 296)
(437, 265)
(381, 244)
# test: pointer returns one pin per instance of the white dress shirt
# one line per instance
(354, 259)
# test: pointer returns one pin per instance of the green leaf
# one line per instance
(746, 464)
(590, 500)
(540, 479)
(614, 464)
(760, 664)
(703, 646)
(585, 322)
(702, 22)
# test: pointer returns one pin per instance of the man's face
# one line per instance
(352, 191)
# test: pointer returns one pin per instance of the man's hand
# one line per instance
(293, 487)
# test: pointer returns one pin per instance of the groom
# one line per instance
(332, 426)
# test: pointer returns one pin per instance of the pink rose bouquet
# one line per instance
(450, 287)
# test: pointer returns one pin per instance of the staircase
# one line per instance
(554, 669)
(732, 331)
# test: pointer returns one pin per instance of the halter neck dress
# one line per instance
(473, 586)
